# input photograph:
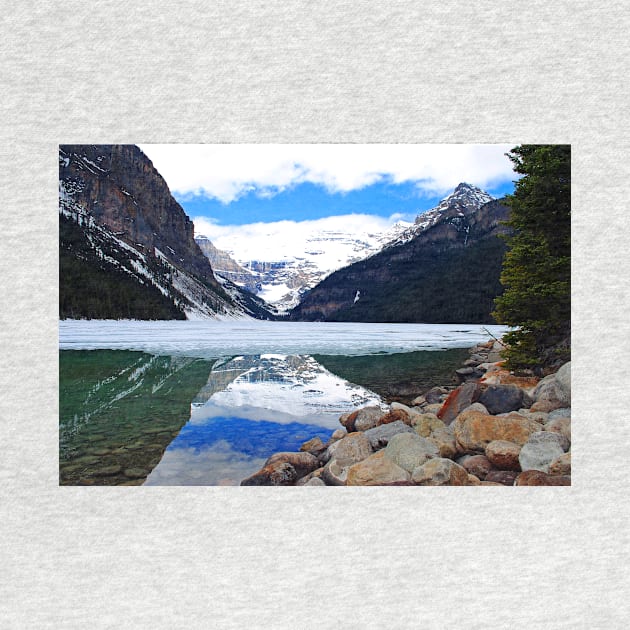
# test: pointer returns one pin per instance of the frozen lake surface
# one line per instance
(213, 339)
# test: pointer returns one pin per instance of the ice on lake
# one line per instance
(213, 339)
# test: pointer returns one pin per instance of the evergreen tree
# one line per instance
(537, 266)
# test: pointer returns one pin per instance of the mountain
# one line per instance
(443, 269)
(280, 265)
(127, 248)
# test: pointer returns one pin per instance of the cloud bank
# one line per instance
(227, 171)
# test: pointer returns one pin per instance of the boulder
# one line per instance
(278, 473)
(409, 450)
(539, 478)
(475, 430)
(473, 481)
(539, 416)
(313, 446)
(561, 426)
(338, 435)
(460, 398)
(561, 466)
(477, 406)
(502, 477)
(504, 455)
(302, 462)
(435, 408)
(315, 481)
(546, 406)
(550, 390)
(435, 395)
(562, 412)
(502, 398)
(376, 470)
(440, 472)
(424, 424)
(444, 439)
(540, 450)
(395, 415)
(367, 418)
(335, 473)
(350, 449)
(563, 379)
(379, 437)
(478, 465)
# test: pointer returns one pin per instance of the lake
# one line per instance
(207, 402)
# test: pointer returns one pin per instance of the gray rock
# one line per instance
(563, 378)
(563, 412)
(314, 481)
(551, 391)
(540, 450)
(440, 472)
(350, 449)
(409, 450)
(367, 418)
(562, 426)
(380, 436)
(502, 398)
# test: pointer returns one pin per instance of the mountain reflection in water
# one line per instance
(128, 418)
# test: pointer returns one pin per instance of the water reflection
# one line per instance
(271, 403)
(130, 416)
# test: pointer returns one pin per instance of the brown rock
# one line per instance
(504, 455)
(473, 481)
(545, 405)
(278, 473)
(478, 465)
(303, 463)
(394, 415)
(475, 430)
(376, 470)
(440, 472)
(561, 466)
(314, 445)
(460, 398)
(539, 478)
(444, 439)
(504, 477)
(560, 425)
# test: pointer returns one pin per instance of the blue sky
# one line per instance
(309, 201)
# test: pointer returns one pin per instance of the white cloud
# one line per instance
(227, 171)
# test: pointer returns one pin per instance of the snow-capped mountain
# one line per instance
(280, 266)
(126, 246)
(464, 200)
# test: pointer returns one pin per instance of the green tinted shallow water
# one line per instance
(120, 411)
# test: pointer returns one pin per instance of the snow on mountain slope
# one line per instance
(462, 201)
(285, 258)
(280, 261)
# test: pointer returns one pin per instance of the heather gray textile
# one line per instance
(308, 71)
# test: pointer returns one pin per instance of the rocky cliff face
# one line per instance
(118, 217)
(445, 269)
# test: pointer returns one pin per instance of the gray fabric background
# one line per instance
(396, 71)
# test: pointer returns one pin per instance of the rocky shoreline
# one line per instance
(494, 428)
